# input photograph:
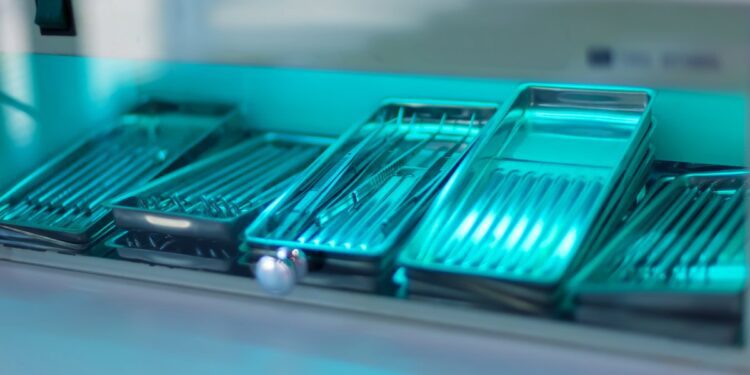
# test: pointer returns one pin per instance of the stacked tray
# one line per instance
(350, 210)
(534, 199)
(212, 200)
(60, 206)
(677, 267)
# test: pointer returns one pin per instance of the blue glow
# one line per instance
(466, 225)
(591, 116)
(550, 237)
(515, 236)
(501, 227)
(399, 277)
(484, 227)
(533, 236)
(567, 243)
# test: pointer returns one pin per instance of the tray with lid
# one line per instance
(357, 201)
(63, 199)
(681, 252)
(540, 189)
(217, 197)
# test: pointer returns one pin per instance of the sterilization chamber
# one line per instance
(515, 184)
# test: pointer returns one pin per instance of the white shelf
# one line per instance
(591, 346)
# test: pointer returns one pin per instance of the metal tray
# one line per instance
(538, 188)
(538, 299)
(683, 251)
(165, 249)
(63, 199)
(217, 197)
(360, 198)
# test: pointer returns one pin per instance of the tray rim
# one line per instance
(644, 125)
(579, 283)
(390, 243)
(117, 205)
(85, 231)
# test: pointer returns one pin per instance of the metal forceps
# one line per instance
(324, 186)
(431, 177)
(374, 182)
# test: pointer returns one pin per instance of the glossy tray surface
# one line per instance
(216, 198)
(532, 194)
(65, 197)
(689, 236)
(360, 197)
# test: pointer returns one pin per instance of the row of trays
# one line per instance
(549, 204)
(62, 205)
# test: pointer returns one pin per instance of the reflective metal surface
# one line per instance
(538, 191)
(358, 199)
(64, 199)
(279, 273)
(681, 255)
(216, 198)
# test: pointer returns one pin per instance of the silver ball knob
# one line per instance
(279, 273)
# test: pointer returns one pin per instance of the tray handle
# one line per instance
(278, 274)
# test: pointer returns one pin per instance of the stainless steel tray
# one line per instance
(681, 252)
(63, 199)
(360, 198)
(217, 197)
(540, 187)
(520, 297)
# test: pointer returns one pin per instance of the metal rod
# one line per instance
(264, 177)
(71, 184)
(58, 178)
(284, 171)
(251, 166)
